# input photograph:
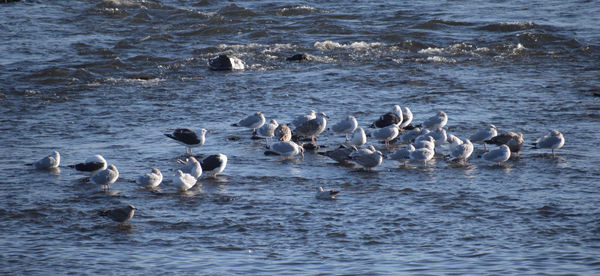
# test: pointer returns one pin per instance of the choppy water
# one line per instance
(110, 77)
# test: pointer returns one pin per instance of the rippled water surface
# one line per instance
(111, 77)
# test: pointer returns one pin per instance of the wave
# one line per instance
(438, 24)
(508, 27)
(296, 10)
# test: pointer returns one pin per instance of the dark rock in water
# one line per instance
(298, 57)
(234, 138)
(386, 120)
(310, 147)
(225, 63)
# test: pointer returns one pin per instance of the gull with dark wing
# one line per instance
(188, 138)
(92, 164)
(554, 140)
(341, 154)
(514, 140)
(214, 164)
(120, 215)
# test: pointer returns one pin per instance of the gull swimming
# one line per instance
(214, 164)
(268, 131)
(554, 140)
(437, 121)
(462, 152)
(386, 134)
(326, 194)
(286, 149)
(184, 181)
(252, 121)
(483, 135)
(120, 215)
(368, 158)
(188, 138)
(346, 126)
(191, 166)
(499, 155)
(105, 177)
(92, 164)
(48, 162)
(514, 140)
(403, 154)
(312, 128)
(150, 180)
(359, 137)
(341, 154)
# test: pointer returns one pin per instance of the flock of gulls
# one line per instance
(403, 142)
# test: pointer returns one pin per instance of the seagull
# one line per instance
(425, 142)
(48, 162)
(421, 154)
(554, 140)
(312, 128)
(214, 164)
(120, 215)
(368, 158)
(191, 166)
(359, 137)
(304, 118)
(483, 135)
(105, 177)
(346, 126)
(437, 121)
(286, 149)
(386, 134)
(439, 135)
(398, 111)
(514, 140)
(387, 119)
(188, 138)
(268, 131)
(341, 154)
(323, 194)
(407, 117)
(92, 164)
(462, 152)
(283, 132)
(403, 154)
(253, 121)
(150, 180)
(499, 155)
(454, 141)
(410, 135)
(184, 181)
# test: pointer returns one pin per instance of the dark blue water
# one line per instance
(111, 77)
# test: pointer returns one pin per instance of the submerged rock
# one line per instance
(298, 57)
(226, 63)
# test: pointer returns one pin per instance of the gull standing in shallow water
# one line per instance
(253, 121)
(214, 164)
(312, 128)
(483, 135)
(188, 138)
(346, 126)
(341, 154)
(191, 166)
(368, 158)
(286, 149)
(304, 118)
(326, 194)
(422, 154)
(462, 152)
(48, 162)
(105, 177)
(150, 180)
(359, 137)
(120, 215)
(554, 140)
(386, 134)
(437, 121)
(403, 154)
(499, 155)
(268, 131)
(184, 181)
(514, 141)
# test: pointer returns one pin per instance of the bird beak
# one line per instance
(302, 153)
